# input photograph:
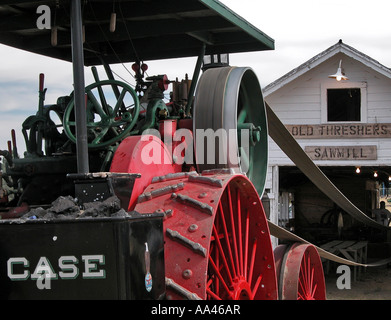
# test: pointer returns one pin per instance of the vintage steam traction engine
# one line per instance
(174, 225)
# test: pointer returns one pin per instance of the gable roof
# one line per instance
(323, 56)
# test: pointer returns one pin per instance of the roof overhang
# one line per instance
(339, 47)
(145, 29)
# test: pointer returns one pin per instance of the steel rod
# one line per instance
(194, 81)
(79, 85)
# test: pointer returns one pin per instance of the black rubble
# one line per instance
(68, 208)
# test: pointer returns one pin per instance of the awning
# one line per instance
(145, 29)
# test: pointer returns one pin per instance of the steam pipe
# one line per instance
(79, 85)
(194, 81)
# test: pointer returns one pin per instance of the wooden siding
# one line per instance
(300, 102)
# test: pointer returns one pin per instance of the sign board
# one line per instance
(340, 131)
(341, 152)
(83, 258)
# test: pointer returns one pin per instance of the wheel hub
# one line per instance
(241, 290)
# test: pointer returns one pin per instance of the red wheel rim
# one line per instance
(217, 241)
(299, 272)
(239, 250)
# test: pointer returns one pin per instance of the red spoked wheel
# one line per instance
(299, 272)
(236, 256)
(217, 241)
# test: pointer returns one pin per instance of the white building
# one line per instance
(343, 126)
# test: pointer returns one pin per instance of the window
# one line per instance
(344, 104)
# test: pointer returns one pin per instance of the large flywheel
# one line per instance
(217, 241)
(230, 125)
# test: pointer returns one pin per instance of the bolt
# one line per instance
(193, 228)
(187, 274)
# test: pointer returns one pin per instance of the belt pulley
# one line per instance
(229, 101)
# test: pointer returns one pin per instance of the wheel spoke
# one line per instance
(218, 274)
(255, 289)
(235, 245)
(222, 255)
(98, 108)
(103, 99)
(310, 275)
(100, 136)
(300, 296)
(303, 277)
(312, 284)
(239, 213)
(119, 101)
(212, 294)
(307, 287)
(253, 251)
(246, 243)
(301, 286)
(220, 210)
(314, 290)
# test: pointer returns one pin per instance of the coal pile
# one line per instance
(68, 208)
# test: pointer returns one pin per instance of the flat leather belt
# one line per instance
(284, 234)
(288, 144)
(292, 149)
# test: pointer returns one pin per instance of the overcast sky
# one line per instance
(301, 29)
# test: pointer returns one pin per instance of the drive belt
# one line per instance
(284, 234)
(292, 149)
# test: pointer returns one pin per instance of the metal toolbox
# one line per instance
(89, 258)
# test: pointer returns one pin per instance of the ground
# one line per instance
(374, 284)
